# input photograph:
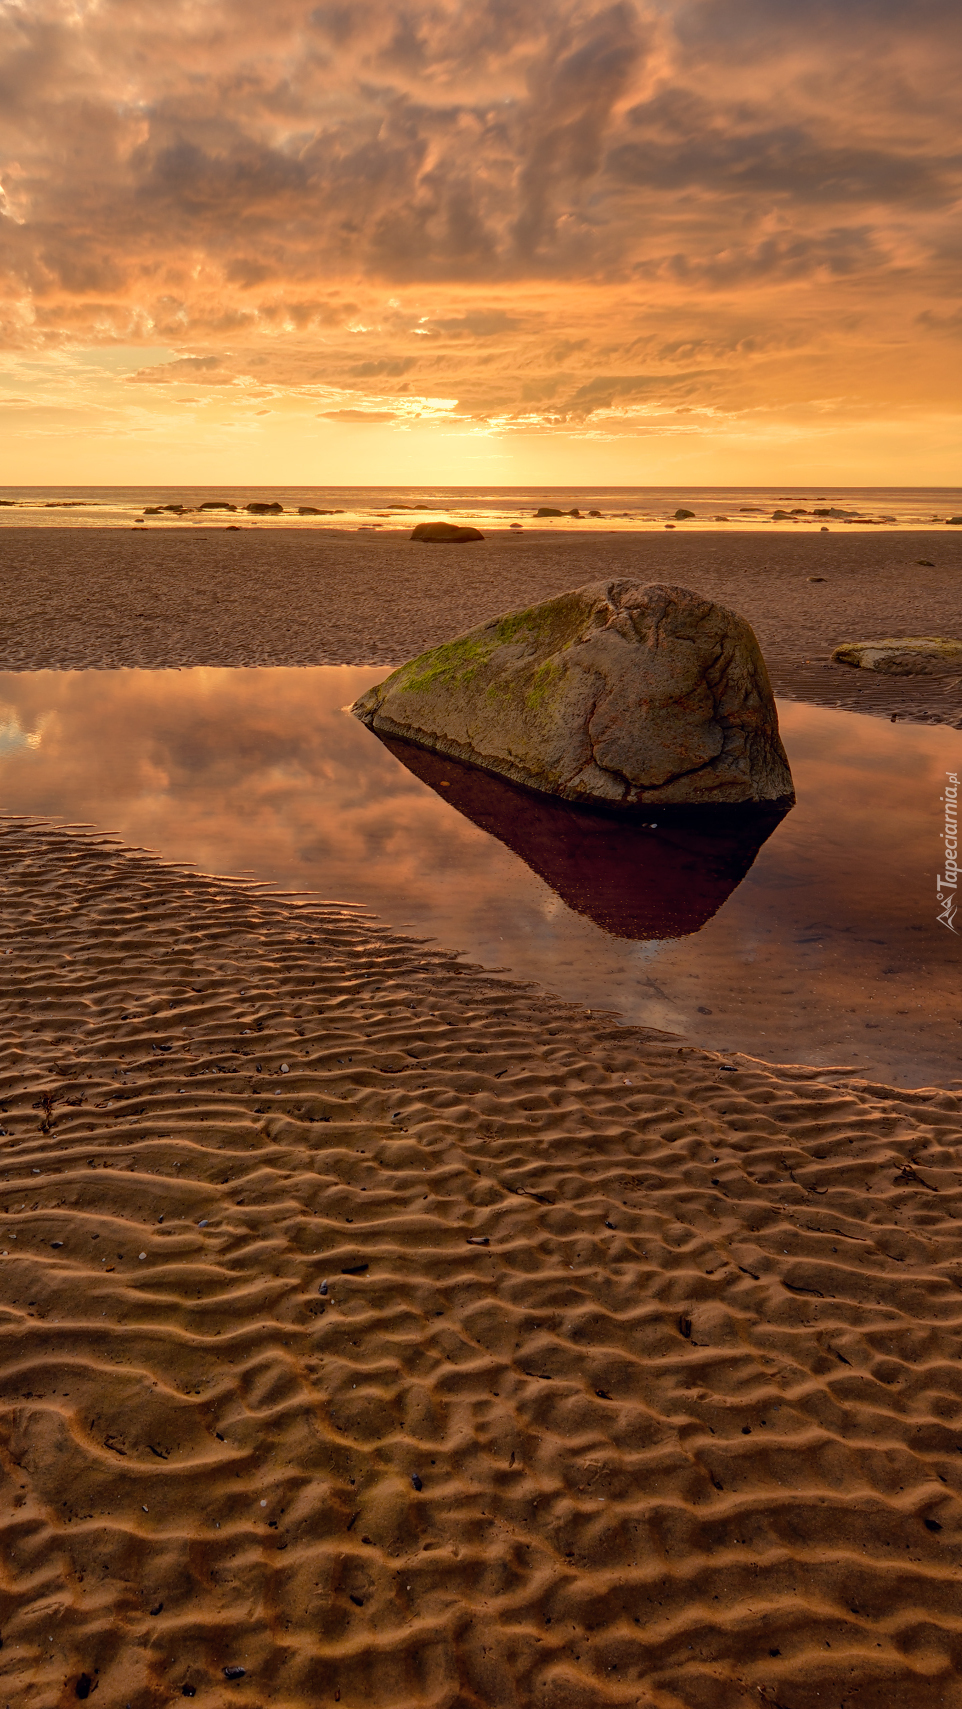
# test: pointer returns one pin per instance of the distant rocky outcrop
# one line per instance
(614, 694)
(312, 510)
(449, 532)
(259, 508)
(216, 504)
(906, 655)
(683, 515)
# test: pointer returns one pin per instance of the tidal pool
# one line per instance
(811, 938)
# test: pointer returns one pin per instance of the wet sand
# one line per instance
(635, 1380)
(104, 598)
(405, 1338)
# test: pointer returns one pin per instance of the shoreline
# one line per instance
(396, 1332)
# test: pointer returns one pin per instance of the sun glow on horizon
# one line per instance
(618, 242)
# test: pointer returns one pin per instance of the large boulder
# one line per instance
(613, 694)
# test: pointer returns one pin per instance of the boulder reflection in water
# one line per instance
(633, 878)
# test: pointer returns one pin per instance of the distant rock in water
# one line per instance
(451, 532)
(683, 515)
(633, 879)
(216, 504)
(312, 510)
(613, 694)
(546, 510)
(908, 655)
(258, 508)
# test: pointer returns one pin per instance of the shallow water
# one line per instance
(826, 951)
(753, 509)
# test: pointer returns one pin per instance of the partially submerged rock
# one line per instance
(906, 655)
(634, 877)
(613, 694)
(452, 533)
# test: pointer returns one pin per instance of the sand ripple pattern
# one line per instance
(405, 1338)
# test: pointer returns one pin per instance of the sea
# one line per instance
(582, 509)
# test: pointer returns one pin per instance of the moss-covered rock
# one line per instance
(613, 693)
(908, 655)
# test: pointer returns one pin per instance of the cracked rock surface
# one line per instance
(613, 693)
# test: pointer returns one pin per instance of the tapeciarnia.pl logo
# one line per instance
(947, 883)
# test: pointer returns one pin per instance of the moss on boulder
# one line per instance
(613, 693)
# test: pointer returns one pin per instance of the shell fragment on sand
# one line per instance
(614, 694)
(906, 655)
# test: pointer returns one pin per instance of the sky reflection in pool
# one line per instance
(827, 950)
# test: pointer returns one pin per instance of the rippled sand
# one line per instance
(490, 1355)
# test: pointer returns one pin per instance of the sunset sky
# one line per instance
(368, 241)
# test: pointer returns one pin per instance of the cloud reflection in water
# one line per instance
(634, 878)
(827, 951)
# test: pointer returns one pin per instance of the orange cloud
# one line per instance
(576, 217)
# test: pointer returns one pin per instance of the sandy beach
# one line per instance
(105, 598)
(383, 1333)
